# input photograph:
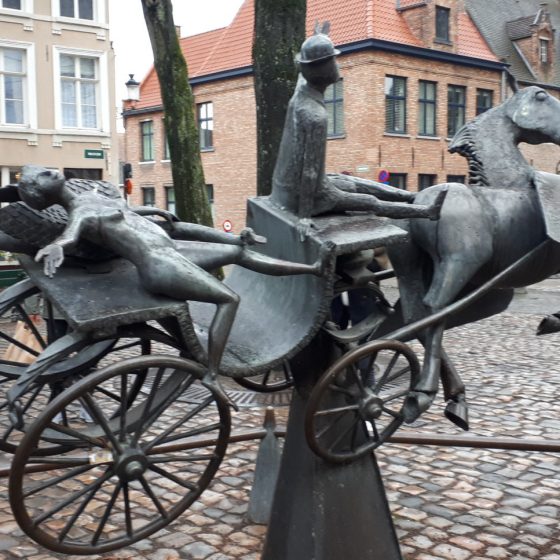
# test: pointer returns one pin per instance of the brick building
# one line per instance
(57, 83)
(412, 73)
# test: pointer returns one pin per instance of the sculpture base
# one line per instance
(327, 512)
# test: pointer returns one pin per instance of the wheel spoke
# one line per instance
(55, 481)
(183, 420)
(388, 369)
(93, 487)
(123, 407)
(390, 412)
(106, 513)
(74, 517)
(188, 485)
(329, 426)
(181, 458)
(345, 432)
(153, 497)
(98, 415)
(127, 514)
(31, 326)
(190, 433)
(350, 407)
(148, 404)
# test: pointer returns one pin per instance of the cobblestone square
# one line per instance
(447, 503)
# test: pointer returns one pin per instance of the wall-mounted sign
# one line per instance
(362, 168)
(94, 154)
(383, 176)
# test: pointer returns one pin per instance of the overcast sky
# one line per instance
(130, 37)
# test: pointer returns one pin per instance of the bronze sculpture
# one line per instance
(299, 182)
(161, 267)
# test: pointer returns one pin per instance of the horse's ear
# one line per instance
(326, 28)
(317, 27)
(512, 82)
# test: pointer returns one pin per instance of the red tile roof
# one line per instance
(230, 48)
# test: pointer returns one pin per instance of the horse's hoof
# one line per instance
(415, 404)
(458, 413)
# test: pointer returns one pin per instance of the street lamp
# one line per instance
(132, 89)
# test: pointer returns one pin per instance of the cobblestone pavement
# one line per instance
(447, 503)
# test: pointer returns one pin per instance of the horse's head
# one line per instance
(536, 114)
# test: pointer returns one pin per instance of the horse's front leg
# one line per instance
(456, 409)
(423, 394)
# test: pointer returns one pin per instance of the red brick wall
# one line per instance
(230, 167)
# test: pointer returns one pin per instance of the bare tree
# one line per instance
(182, 135)
(279, 33)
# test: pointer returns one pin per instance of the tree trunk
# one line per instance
(179, 117)
(279, 33)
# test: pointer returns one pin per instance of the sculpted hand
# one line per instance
(53, 256)
(304, 227)
(249, 237)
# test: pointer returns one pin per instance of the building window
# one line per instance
(170, 199)
(78, 85)
(81, 9)
(395, 104)
(148, 196)
(543, 50)
(425, 181)
(456, 96)
(11, 4)
(398, 180)
(147, 140)
(205, 117)
(457, 179)
(427, 108)
(442, 24)
(81, 173)
(334, 102)
(210, 193)
(13, 85)
(484, 98)
(166, 155)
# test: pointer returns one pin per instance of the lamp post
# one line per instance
(132, 89)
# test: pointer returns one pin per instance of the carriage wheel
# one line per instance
(357, 403)
(135, 341)
(271, 381)
(132, 470)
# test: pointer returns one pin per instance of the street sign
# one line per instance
(94, 154)
(227, 225)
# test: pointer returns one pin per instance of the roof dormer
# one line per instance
(533, 39)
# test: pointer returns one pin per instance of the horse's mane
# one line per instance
(463, 144)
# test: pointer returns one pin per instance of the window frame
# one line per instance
(423, 103)
(166, 154)
(28, 86)
(543, 42)
(432, 181)
(102, 91)
(170, 200)
(337, 103)
(446, 36)
(480, 92)
(403, 177)
(148, 189)
(151, 139)
(454, 108)
(394, 99)
(202, 121)
(456, 179)
(76, 10)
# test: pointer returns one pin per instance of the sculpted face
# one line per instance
(38, 187)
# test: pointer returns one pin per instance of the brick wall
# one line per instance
(365, 148)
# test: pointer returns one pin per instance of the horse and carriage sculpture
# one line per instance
(120, 422)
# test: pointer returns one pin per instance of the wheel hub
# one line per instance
(131, 464)
(371, 408)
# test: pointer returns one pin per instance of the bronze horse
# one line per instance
(484, 227)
